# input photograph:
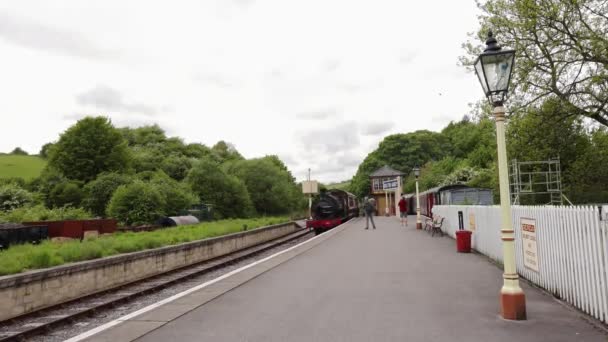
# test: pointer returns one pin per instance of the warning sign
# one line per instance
(528, 234)
(472, 222)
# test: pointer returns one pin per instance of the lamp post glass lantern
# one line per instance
(416, 170)
(493, 68)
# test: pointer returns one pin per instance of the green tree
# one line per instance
(401, 152)
(144, 136)
(227, 193)
(561, 51)
(271, 187)
(146, 158)
(176, 166)
(475, 141)
(47, 181)
(173, 146)
(45, 151)
(177, 196)
(19, 151)
(588, 175)
(99, 191)
(136, 203)
(65, 194)
(198, 151)
(88, 148)
(536, 135)
(225, 151)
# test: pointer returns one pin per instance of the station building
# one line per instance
(386, 199)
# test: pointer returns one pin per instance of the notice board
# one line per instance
(530, 248)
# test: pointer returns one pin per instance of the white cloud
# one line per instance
(303, 80)
(320, 114)
(377, 128)
(336, 139)
(214, 79)
(27, 33)
(107, 99)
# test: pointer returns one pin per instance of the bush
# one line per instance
(176, 167)
(99, 192)
(136, 203)
(226, 193)
(13, 196)
(19, 151)
(45, 150)
(14, 180)
(64, 194)
(177, 196)
(46, 183)
(40, 213)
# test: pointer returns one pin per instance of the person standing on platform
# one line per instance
(369, 207)
(403, 210)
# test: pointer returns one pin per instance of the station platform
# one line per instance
(390, 284)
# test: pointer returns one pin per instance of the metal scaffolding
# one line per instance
(537, 178)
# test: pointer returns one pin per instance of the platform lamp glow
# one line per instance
(493, 68)
(416, 170)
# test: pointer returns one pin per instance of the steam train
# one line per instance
(332, 208)
(448, 195)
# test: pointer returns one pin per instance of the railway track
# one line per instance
(45, 320)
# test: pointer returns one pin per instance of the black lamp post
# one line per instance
(494, 67)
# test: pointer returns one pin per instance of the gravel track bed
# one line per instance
(64, 332)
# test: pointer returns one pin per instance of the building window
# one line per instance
(377, 184)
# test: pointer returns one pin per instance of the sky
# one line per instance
(318, 82)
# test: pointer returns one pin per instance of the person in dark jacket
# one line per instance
(403, 210)
(370, 208)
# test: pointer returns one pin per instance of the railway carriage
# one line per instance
(449, 195)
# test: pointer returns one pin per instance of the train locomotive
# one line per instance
(332, 208)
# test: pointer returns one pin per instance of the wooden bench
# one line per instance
(434, 225)
(428, 224)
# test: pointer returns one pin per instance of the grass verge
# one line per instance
(21, 258)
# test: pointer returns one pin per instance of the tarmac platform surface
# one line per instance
(390, 284)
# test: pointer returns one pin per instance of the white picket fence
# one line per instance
(572, 247)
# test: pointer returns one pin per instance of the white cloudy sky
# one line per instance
(317, 82)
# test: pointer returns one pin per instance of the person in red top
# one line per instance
(403, 210)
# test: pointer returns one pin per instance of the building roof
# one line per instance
(386, 171)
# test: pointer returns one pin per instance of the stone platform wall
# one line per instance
(30, 291)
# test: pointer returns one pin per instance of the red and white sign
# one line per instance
(528, 235)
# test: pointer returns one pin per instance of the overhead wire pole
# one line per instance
(309, 200)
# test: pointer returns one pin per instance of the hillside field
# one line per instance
(342, 185)
(26, 167)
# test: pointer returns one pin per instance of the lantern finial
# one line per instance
(492, 44)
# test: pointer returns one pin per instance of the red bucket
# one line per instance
(463, 241)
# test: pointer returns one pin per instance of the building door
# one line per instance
(380, 205)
